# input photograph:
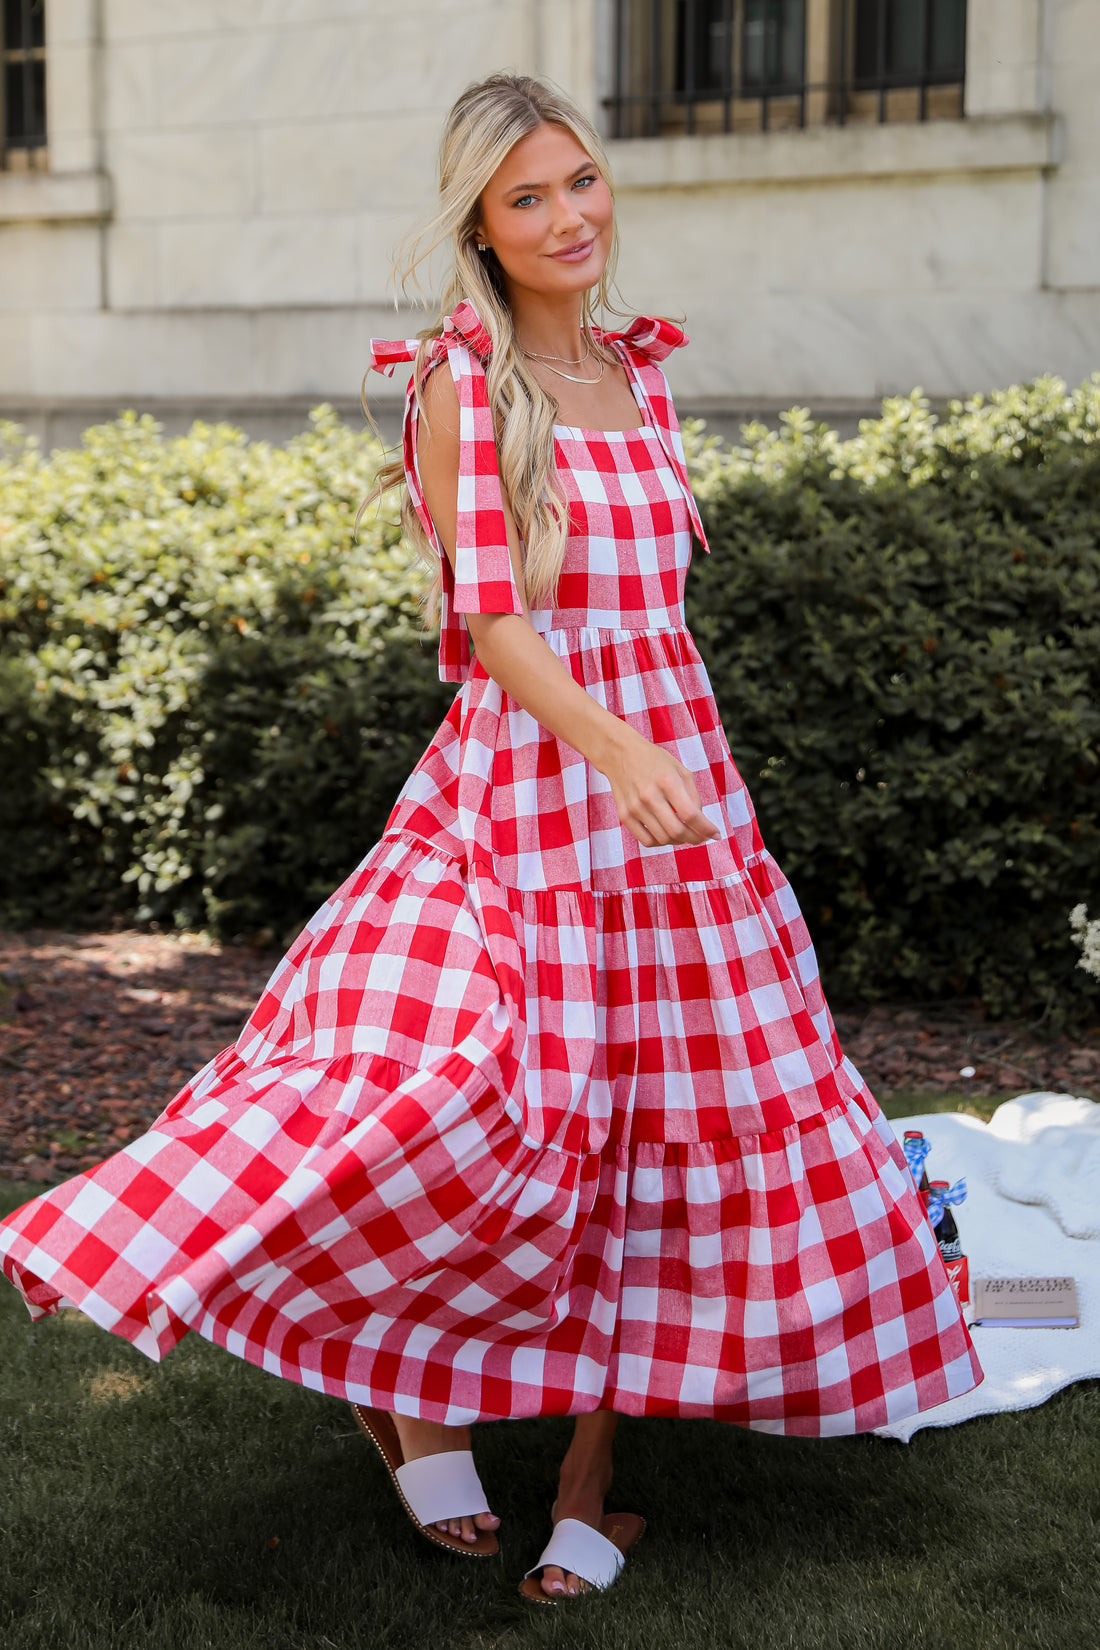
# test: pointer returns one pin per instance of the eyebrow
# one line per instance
(519, 188)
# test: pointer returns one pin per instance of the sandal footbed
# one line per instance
(376, 1425)
(621, 1529)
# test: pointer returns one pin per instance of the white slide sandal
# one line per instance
(596, 1556)
(432, 1487)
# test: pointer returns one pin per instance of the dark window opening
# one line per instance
(702, 45)
(773, 45)
(908, 42)
(699, 66)
(747, 45)
(23, 83)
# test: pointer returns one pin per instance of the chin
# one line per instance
(578, 277)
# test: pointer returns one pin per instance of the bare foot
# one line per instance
(582, 1487)
(432, 1438)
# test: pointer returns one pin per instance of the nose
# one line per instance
(568, 220)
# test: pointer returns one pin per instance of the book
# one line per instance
(1025, 1303)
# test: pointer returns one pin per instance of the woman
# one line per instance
(544, 1112)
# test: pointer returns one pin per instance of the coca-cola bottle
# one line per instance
(947, 1233)
(916, 1149)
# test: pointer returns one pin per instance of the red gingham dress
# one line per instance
(532, 1119)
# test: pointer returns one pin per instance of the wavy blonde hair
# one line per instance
(487, 121)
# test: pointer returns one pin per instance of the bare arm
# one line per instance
(655, 794)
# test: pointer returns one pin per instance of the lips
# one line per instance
(575, 254)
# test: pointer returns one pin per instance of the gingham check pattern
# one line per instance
(482, 581)
(532, 1119)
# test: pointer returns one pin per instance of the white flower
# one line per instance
(1087, 935)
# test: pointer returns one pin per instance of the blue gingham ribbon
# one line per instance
(940, 1196)
(915, 1153)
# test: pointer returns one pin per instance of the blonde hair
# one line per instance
(486, 122)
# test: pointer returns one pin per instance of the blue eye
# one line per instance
(590, 179)
(523, 198)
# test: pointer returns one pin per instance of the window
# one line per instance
(23, 85)
(773, 45)
(758, 65)
(910, 51)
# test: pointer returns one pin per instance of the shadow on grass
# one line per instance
(201, 1503)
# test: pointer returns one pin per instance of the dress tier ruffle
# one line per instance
(532, 1120)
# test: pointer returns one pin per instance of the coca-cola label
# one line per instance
(958, 1270)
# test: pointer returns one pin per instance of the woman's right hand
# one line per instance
(655, 794)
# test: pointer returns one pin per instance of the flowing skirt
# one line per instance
(483, 1152)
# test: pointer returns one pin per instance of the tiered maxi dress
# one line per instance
(531, 1119)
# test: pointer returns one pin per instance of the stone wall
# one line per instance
(229, 179)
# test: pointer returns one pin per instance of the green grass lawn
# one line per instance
(203, 1505)
(916, 1102)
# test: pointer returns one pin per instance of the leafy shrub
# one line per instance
(903, 631)
(210, 693)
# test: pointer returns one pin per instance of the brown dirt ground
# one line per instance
(99, 1031)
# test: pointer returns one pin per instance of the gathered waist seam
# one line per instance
(611, 630)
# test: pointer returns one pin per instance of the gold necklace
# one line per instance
(566, 360)
(571, 376)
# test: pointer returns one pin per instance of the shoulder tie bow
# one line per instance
(463, 326)
(648, 337)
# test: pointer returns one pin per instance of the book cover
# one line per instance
(1026, 1303)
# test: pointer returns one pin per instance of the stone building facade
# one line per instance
(845, 198)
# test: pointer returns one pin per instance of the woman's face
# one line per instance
(548, 215)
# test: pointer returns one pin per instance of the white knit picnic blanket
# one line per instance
(1032, 1210)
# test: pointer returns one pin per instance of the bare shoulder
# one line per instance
(438, 426)
(437, 453)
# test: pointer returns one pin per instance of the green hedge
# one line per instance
(210, 694)
(904, 635)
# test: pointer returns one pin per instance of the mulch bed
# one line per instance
(99, 1031)
(929, 1047)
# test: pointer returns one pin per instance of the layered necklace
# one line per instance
(533, 355)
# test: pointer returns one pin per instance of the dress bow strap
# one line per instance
(463, 327)
(482, 580)
(649, 337)
(466, 324)
(644, 344)
(388, 353)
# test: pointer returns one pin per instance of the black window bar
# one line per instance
(23, 87)
(675, 59)
(907, 45)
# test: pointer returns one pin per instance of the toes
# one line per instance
(556, 1584)
(466, 1529)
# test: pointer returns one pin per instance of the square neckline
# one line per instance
(636, 429)
(579, 430)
